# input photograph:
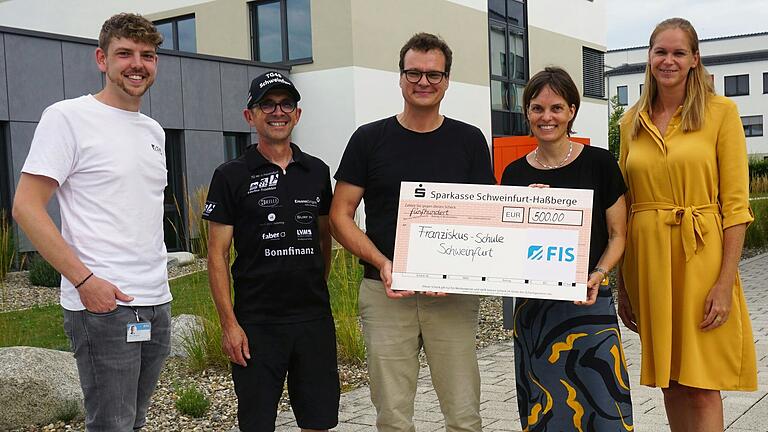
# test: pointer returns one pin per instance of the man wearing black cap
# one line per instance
(274, 202)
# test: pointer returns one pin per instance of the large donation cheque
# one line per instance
(506, 241)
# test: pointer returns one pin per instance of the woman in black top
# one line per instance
(569, 363)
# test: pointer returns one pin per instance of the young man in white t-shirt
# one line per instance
(105, 161)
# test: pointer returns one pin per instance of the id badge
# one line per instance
(138, 332)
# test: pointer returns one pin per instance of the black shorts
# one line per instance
(306, 351)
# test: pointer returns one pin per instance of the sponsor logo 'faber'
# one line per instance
(273, 236)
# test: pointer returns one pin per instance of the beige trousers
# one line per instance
(395, 330)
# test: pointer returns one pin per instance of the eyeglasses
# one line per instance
(413, 76)
(268, 106)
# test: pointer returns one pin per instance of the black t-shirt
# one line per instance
(382, 154)
(594, 169)
(279, 270)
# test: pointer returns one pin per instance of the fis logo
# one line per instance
(156, 148)
(208, 208)
(420, 192)
(550, 253)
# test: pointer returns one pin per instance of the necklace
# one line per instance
(536, 157)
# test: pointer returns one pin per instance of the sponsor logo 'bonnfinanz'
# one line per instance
(291, 251)
(551, 253)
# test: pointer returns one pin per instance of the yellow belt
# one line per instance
(692, 228)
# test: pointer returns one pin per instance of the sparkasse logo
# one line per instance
(551, 253)
(420, 192)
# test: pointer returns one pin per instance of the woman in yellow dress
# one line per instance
(683, 157)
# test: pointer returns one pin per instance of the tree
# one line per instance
(614, 136)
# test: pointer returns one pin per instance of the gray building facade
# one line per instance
(197, 99)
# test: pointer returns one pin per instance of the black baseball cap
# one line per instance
(269, 81)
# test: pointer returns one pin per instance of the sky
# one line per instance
(630, 22)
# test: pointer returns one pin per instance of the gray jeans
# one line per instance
(118, 377)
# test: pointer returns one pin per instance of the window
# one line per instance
(508, 66)
(234, 144)
(621, 92)
(173, 203)
(737, 85)
(765, 82)
(593, 63)
(5, 181)
(178, 33)
(753, 125)
(281, 31)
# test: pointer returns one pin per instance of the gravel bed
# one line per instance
(17, 293)
(217, 384)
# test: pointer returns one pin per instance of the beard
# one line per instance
(120, 81)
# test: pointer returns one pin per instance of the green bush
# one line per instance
(343, 287)
(203, 344)
(614, 134)
(190, 401)
(757, 233)
(41, 273)
(197, 224)
(758, 168)
(758, 185)
(71, 410)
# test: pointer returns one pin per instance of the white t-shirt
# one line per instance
(110, 166)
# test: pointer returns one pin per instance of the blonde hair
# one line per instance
(698, 87)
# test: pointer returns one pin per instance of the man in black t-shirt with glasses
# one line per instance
(419, 144)
(274, 201)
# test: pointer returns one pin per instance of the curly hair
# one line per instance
(131, 26)
(424, 42)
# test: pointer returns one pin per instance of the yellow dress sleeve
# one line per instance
(733, 169)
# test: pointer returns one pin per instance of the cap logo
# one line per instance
(272, 81)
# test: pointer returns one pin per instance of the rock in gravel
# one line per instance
(182, 328)
(38, 385)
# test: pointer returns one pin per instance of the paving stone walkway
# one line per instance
(744, 412)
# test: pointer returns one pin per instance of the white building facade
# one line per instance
(348, 74)
(738, 66)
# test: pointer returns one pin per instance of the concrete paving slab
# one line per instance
(744, 412)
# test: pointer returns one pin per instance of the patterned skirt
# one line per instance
(570, 368)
